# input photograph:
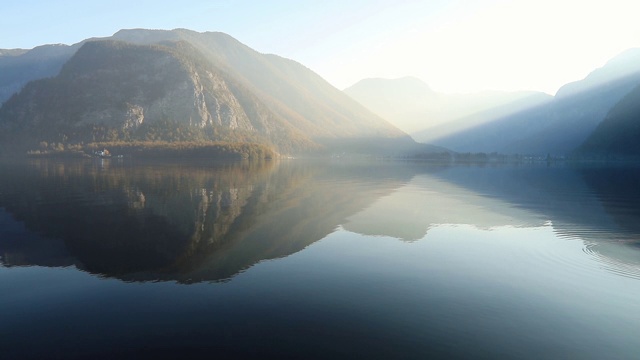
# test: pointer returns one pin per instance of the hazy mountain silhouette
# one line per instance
(561, 125)
(18, 67)
(428, 115)
(617, 136)
(618, 68)
(237, 94)
(519, 122)
(401, 101)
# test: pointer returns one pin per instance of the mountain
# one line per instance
(290, 89)
(622, 66)
(559, 126)
(184, 85)
(427, 115)
(518, 122)
(18, 66)
(403, 101)
(111, 91)
(617, 135)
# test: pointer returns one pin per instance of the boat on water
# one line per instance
(102, 153)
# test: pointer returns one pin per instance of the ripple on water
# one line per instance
(605, 248)
(616, 257)
(561, 247)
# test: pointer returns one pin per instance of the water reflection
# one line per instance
(596, 204)
(183, 222)
(207, 222)
(427, 202)
(408, 260)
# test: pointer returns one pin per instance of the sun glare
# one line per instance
(505, 45)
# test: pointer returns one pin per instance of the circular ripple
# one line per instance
(616, 258)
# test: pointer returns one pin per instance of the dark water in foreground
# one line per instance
(318, 260)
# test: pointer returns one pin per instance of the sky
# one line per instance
(452, 45)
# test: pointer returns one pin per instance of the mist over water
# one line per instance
(300, 259)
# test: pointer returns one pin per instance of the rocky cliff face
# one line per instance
(124, 85)
(117, 91)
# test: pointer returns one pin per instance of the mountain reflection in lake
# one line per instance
(318, 259)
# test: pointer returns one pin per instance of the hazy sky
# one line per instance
(454, 46)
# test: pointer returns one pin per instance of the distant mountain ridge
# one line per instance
(529, 124)
(618, 68)
(215, 88)
(427, 115)
(18, 66)
(562, 125)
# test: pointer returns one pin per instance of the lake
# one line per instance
(318, 259)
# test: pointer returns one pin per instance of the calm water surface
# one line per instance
(124, 259)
